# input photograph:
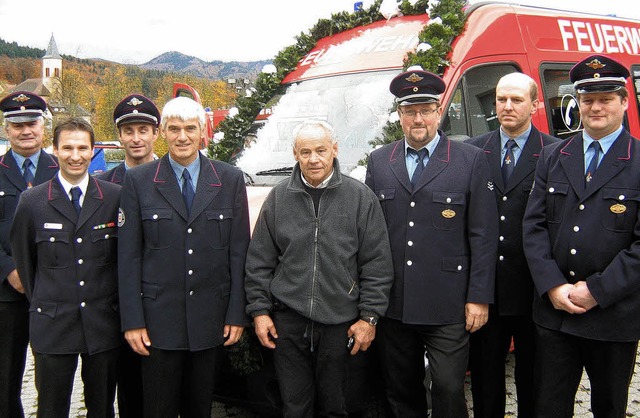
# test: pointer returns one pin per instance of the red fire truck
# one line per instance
(345, 78)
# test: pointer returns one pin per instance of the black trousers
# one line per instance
(14, 339)
(178, 382)
(560, 359)
(311, 365)
(489, 348)
(402, 350)
(54, 382)
(129, 383)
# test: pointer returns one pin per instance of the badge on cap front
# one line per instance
(22, 98)
(414, 78)
(134, 102)
(595, 64)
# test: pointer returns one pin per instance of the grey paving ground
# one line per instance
(223, 411)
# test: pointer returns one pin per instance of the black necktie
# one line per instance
(187, 189)
(420, 167)
(75, 198)
(593, 164)
(509, 162)
(27, 175)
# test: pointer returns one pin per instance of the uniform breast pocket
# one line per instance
(54, 250)
(449, 210)
(8, 202)
(219, 223)
(153, 223)
(105, 245)
(556, 200)
(621, 209)
(386, 198)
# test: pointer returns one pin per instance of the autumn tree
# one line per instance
(115, 86)
(16, 70)
(77, 92)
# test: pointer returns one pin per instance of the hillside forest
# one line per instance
(97, 86)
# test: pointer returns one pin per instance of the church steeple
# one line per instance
(52, 49)
(52, 61)
(52, 70)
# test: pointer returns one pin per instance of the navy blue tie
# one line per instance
(75, 199)
(420, 167)
(509, 162)
(593, 164)
(27, 175)
(187, 190)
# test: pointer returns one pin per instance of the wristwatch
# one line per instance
(371, 320)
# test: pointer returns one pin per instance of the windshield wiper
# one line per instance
(284, 171)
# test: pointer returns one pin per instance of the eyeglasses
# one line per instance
(423, 112)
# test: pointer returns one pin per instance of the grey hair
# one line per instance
(183, 108)
(314, 125)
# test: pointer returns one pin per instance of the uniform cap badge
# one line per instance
(21, 98)
(414, 78)
(135, 102)
(595, 64)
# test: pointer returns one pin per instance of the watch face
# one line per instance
(373, 320)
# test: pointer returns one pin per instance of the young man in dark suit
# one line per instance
(23, 166)
(64, 239)
(137, 119)
(184, 233)
(437, 196)
(512, 152)
(582, 242)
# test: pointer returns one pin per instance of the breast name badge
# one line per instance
(52, 225)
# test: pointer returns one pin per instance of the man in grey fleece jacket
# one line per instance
(319, 272)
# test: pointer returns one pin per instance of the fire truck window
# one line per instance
(454, 120)
(561, 103)
(473, 103)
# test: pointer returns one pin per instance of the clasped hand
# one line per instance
(573, 298)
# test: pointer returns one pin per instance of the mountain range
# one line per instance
(169, 61)
(217, 70)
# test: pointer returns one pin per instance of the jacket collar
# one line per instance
(58, 198)
(117, 175)
(296, 184)
(615, 160)
(526, 162)
(47, 166)
(209, 185)
(437, 162)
